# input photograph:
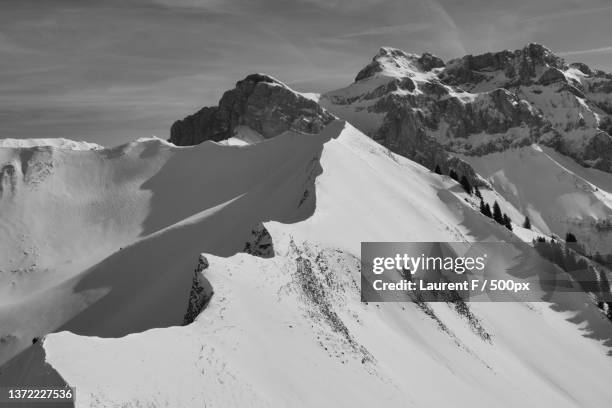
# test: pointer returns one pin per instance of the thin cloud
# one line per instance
(446, 25)
(587, 51)
(567, 13)
(393, 29)
(9, 46)
(218, 5)
(345, 5)
(438, 9)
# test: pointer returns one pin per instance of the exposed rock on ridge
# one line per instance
(200, 293)
(260, 102)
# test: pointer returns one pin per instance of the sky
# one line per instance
(111, 71)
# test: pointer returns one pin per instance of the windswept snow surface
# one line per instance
(291, 330)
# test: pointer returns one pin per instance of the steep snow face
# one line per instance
(63, 208)
(290, 330)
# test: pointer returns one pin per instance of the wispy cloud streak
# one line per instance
(567, 13)
(393, 29)
(587, 51)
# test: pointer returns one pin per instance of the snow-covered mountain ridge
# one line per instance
(225, 271)
(290, 330)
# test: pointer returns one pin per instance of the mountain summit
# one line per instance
(397, 63)
(260, 102)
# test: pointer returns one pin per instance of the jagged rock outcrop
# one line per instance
(478, 104)
(260, 102)
(8, 179)
(260, 243)
(200, 293)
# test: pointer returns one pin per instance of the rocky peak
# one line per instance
(482, 103)
(397, 63)
(543, 55)
(258, 101)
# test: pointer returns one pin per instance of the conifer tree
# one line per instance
(507, 222)
(527, 223)
(453, 175)
(497, 214)
(465, 183)
(437, 169)
(569, 237)
(487, 211)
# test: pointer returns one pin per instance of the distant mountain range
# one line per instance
(468, 115)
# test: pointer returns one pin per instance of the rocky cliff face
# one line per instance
(421, 107)
(532, 64)
(260, 102)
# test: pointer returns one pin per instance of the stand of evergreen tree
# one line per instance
(570, 258)
(497, 214)
(485, 209)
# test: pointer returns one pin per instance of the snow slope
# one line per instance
(63, 209)
(558, 194)
(58, 143)
(97, 214)
(291, 330)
